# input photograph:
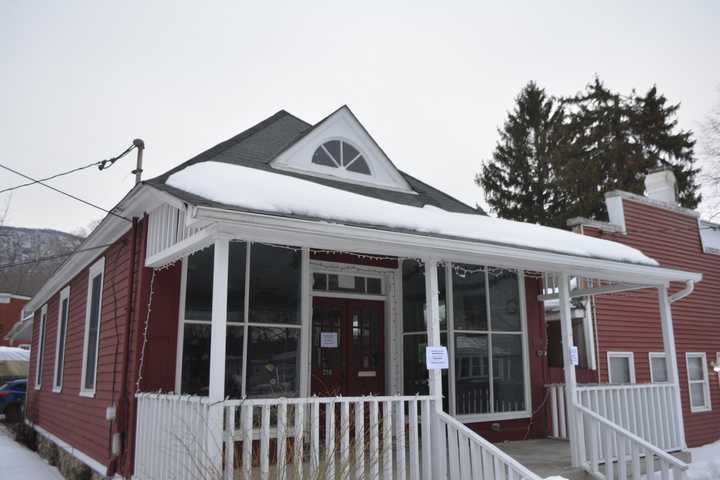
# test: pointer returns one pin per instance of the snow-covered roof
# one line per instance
(262, 191)
(710, 235)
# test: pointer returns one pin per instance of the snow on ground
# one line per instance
(264, 191)
(705, 462)
(17, 461)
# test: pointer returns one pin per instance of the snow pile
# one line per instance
(705, 462)
(265, 191)
(16, 461)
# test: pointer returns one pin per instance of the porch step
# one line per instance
(545, 457)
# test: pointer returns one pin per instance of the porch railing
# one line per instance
(645, 410)
(608, 451)
(470, 456)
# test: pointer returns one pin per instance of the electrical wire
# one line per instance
(52, 257)
(40, 182)
(102, 165)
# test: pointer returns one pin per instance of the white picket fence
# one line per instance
(645, 410)
(608, 451)
(397, 437)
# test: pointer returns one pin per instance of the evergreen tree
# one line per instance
(556, 160)
(519, 181)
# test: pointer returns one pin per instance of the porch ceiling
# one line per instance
(274, 229)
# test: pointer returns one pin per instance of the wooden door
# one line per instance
(348, 347)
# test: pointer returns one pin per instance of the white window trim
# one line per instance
(631, 361)
(64, 295)
(97, 269)
(41, 347)
(652, 355)
(706, 381)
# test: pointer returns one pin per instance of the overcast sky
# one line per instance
(431, 81)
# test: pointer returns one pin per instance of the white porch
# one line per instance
(404, 436)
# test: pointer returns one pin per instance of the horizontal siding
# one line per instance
(77, 420)
(631, 321)
(9, 314)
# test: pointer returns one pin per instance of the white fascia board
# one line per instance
(139, 200)
(324, 235)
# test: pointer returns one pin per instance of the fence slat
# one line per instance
(359, 441)
(281, 444)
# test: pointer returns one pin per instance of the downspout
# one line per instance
(121, 420)
(680, 294)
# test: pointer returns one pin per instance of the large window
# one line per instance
(60, 340)
(698, 383)
(621, 367)
(483, 319)
(263, 319)
(93, 311)
(41, 347)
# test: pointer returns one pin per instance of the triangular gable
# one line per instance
(316, 153)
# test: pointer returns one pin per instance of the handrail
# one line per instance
(321, 400)
(484, 444)
(631, 436)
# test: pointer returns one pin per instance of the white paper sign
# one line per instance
(574, 357)
(328, 340)
(436, 358)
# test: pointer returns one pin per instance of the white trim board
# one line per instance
(96, 466)
(97, 269)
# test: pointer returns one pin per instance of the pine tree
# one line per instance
(519, 181)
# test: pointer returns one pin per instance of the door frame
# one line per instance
(391, 281)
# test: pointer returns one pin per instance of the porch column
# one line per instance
(568, 367)
(671, 357)
(216, 390)
(432, 314)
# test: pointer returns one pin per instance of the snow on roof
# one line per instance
(260, 190)
(710, 235)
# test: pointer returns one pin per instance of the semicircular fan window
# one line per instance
(340, 154)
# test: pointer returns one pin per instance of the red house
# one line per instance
(269, 307)
(677, 238)
(11, 309)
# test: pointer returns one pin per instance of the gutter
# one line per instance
(680, 294)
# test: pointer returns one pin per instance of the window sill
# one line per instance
(57, 389)
(87, 393)
(700, 409)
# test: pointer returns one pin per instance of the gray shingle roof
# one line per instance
(259, 145)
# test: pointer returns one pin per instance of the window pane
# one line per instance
(359, 166)
(236, 282)
(659, 369)
(274, 285)
(322, 158)
(93, 333)
(697, 394)
(319, 281)
(198, 296)
(472, 374)
(508, 373)
(233, 361)
(374, 286)
(346, 283)
(196, 359)
(349, 153)
(695, 369)
(333, 147)
(272, 363)
(619, 370)
(61, 345)
(415, 372)
(414, 296)
(504, 304)
(469, 302)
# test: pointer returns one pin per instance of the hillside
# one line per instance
(19, 245)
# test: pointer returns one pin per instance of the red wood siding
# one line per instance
(80, 421)
(631, 321)
(9, 315)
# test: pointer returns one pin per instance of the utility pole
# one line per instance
(140, 145)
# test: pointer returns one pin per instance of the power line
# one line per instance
(102, 165)
(52, 257)
(40, 182)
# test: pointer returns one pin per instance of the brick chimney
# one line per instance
(661, 185)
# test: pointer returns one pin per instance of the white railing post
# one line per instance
(432, 310)
(216, 390)
(569, 368)
(671, 359)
